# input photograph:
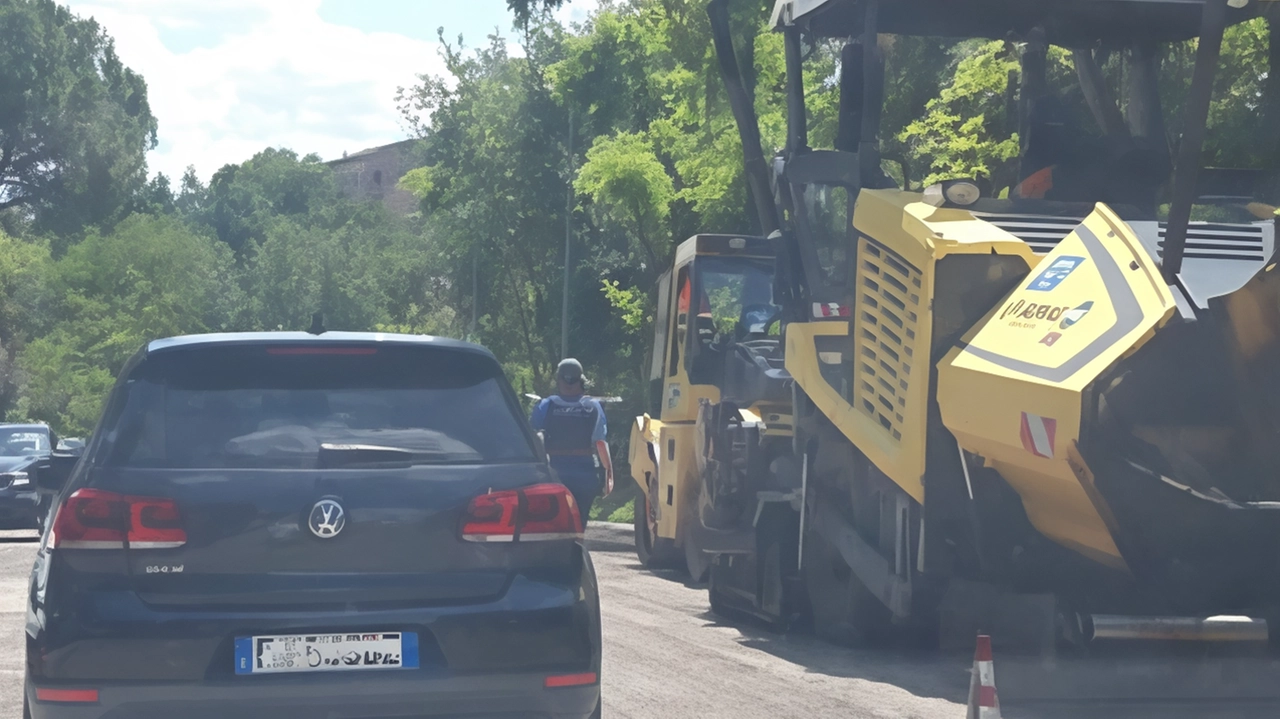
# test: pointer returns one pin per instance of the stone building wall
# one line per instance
(372, 174)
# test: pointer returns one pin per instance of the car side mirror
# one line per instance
(542, 444)
(51, 474)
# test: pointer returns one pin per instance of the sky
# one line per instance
(228, 78)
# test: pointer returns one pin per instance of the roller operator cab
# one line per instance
(1054, 381)
(716, 368)
(281, 524)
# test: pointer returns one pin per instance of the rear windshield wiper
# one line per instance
(356, 455)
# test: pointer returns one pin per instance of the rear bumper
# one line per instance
(489, 659)
(333, 696)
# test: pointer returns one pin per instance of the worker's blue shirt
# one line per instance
(571, 426)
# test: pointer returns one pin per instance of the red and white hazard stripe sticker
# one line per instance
(829, 309)
(1038, 434)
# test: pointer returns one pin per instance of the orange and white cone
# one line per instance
(983, 703)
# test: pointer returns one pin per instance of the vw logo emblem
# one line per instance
(327, 518)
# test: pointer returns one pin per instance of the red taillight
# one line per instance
(531, 514)
(94, 519)
(78, 696)
(550, 512)
(570, 680)
(492, 517)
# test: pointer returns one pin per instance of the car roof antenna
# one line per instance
(317, 324)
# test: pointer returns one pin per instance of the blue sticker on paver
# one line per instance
(1057, 272)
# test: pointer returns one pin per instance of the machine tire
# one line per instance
(653, 552)
(696, 562)
(843, 610)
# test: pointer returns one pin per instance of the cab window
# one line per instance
(828, 212)
(684, 283)
(735, 304)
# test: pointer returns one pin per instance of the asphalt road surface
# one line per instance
(667, 657)
(17, 552)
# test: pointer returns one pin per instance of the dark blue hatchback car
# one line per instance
(334, 525)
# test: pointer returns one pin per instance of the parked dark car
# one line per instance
(342, 525)
(21, 447)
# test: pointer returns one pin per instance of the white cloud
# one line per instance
(227, 79)
(577, 11)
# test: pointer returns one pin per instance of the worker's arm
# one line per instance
(600, 435)
(602, 449)
(538, 417)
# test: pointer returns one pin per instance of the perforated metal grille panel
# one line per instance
(1222, 242)
(888, 312)
(1042, 232)
(1205, 241)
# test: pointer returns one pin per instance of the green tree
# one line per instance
(75, 124)
(156, 197)
(493, 190)
(149, 277)
(1245, 95)
(965, 130)
(916, 70)
(23, 293)
(624, 178)
(524, 10)
(242, 201)
(192, 195)
(348, 273)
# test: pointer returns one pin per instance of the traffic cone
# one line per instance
(983, 703)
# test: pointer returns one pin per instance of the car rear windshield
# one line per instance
(22, 441)
(287, 406)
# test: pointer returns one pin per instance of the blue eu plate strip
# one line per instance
(409, 650)
(244, 655)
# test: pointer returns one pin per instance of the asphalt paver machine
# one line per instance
(1055, 401)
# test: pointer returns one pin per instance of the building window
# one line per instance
(377, 177)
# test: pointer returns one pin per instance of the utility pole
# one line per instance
(568, 234)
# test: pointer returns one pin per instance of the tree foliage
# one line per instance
(525, 9)
(242, 201)
(75, 123)
(149, 277)
(494, 189)
(616, 132)
(625, 179)
(24, 266)
(965, 131)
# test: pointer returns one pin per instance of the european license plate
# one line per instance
(326, 652)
